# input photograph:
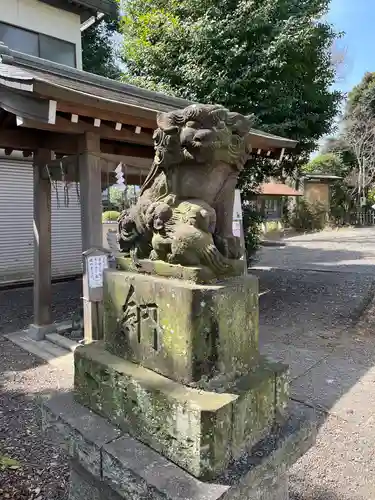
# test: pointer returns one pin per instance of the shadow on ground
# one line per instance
(344, 256)
(16, 304)
(38, 467)
(307, 320)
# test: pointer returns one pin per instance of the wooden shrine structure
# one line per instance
(57, 114)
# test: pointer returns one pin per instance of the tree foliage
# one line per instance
(341, 148)
(359, 129)
(98, 52)
(327, 163)
(359, 92)
(267, 57)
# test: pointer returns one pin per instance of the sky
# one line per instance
(357, 19)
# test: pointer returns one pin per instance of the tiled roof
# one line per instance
(278, 189)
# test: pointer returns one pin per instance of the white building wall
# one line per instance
(42, 18)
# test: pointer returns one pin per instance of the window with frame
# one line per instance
(38, 45)
(272, 207)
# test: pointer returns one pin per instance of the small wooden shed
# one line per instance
(316, 189)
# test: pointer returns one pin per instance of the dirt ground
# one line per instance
(31, 467)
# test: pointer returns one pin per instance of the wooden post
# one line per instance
(42, 246)
(91, 218)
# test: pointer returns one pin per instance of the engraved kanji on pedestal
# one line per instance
(140, 321)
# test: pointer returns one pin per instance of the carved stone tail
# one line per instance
(212, 258)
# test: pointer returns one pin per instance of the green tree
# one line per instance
(267, 57)
(328, 163)
(341, 192)
(341, 148)
(355, 97)
(359, 130)
(99, 55)
(270, 58)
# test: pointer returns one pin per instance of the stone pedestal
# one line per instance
(108, 464)
(176, 402)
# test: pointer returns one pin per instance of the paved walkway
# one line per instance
(346, 250)
(307, 320)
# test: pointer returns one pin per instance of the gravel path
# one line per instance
(31, 467)
(16, 305)
(345, 250)
(310, 308)
(318, 285)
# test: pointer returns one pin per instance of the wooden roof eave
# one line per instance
(84, 104)
(64, 126)
(21, 103)
(258, 137)
(24, 104)
(101, 107)
(130, 112)
(34, 113)
(29, 62)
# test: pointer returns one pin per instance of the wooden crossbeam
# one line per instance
(31, 140)
(65, 126)
(148, 122)
(23, 139)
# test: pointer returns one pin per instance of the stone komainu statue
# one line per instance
(185, 209)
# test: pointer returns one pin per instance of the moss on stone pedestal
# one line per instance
(180, 329)
(201, 275)
(200, 431)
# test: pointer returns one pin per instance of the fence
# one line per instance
(363, 218)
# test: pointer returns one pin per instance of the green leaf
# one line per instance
(99, 54)
(9, 463)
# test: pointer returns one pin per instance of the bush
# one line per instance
(110, 216)
(308, 217)
(252, 230)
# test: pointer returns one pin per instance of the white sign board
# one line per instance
(237, 214)
(236, 228)
(95, 267)
(237, 207)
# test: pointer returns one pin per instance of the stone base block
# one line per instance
(125, 468)
(84, 485)
(200, 430)
(180, 329)
(39, 332)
